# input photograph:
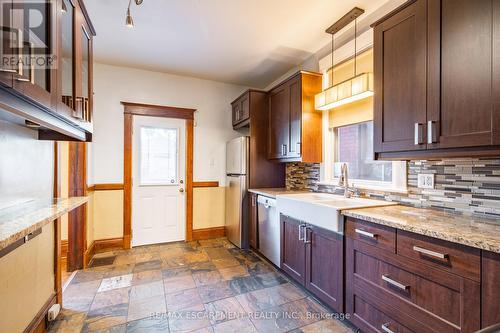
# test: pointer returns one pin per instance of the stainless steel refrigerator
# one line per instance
(237, 151)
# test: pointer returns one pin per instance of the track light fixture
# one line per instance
(129, 21)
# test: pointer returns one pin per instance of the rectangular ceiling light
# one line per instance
(354, 89)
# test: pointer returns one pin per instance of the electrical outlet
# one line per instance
(426, 180)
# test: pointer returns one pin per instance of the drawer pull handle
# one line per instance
(385, 328)
(365, 233)
(395, 283)
(430, 253)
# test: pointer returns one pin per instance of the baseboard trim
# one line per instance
(39, 323)
(102, 245)
(208, 233)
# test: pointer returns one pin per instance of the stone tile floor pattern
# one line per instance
(202, 286)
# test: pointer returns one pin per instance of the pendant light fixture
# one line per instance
(129, 21)
(356, 88)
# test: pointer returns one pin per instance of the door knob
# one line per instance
(181, 190)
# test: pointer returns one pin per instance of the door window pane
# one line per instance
(354, 146)
(158, 156)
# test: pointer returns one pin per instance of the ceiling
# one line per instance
(246, 42)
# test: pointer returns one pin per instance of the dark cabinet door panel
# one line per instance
(324, 266)
(400, 80)
(464, 118)
(295, 91)
(279, 119)
(372, 320)
(293, 252)
(490, 288)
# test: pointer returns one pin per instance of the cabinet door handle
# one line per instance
(283, 150)
(300, 231)
(253, 200)
(365, 233)
(8, 70)
(395, 283)
(31, 78)
(385, 328)
(430, 253)
(306, 241)
(417, 135)
(430, 132)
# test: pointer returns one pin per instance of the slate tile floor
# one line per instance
(203, 286)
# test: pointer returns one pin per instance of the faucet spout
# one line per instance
(344, 180)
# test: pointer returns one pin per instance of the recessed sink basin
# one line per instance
(322, 209)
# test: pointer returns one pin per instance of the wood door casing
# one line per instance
(400, 79)
(325, 266)
(293, 252)
(463, 115)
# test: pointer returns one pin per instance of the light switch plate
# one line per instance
(426, 180)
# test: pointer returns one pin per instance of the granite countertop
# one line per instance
(474, 231)
(273, 192)
(22, 219)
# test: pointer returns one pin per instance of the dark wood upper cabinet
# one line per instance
(463, 115)
(52, 90)
(400, 80)
(251, 110)
(295, 129)
(437, 86)
(241, 111)
(35, 78)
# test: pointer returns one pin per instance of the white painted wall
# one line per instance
(213, 127)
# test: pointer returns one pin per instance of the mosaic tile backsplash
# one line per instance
(470, 185)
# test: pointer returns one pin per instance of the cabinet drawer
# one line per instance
(455, 258)
(402, 286)
(372, 319)
(377, 235)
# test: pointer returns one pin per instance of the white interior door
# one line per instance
(159, 169)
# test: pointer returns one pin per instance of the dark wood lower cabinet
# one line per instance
(314, 257)
(389, 292)
(293, 249)
(325, 266)
(490, 285)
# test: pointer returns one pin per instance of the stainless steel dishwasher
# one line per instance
(269, 229)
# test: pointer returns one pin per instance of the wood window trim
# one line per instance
(139, 109)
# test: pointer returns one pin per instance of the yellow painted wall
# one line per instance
(90, 219)
(32, 264)
(208, 207)
(108, 214)
(107, 206)
(358, 111)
